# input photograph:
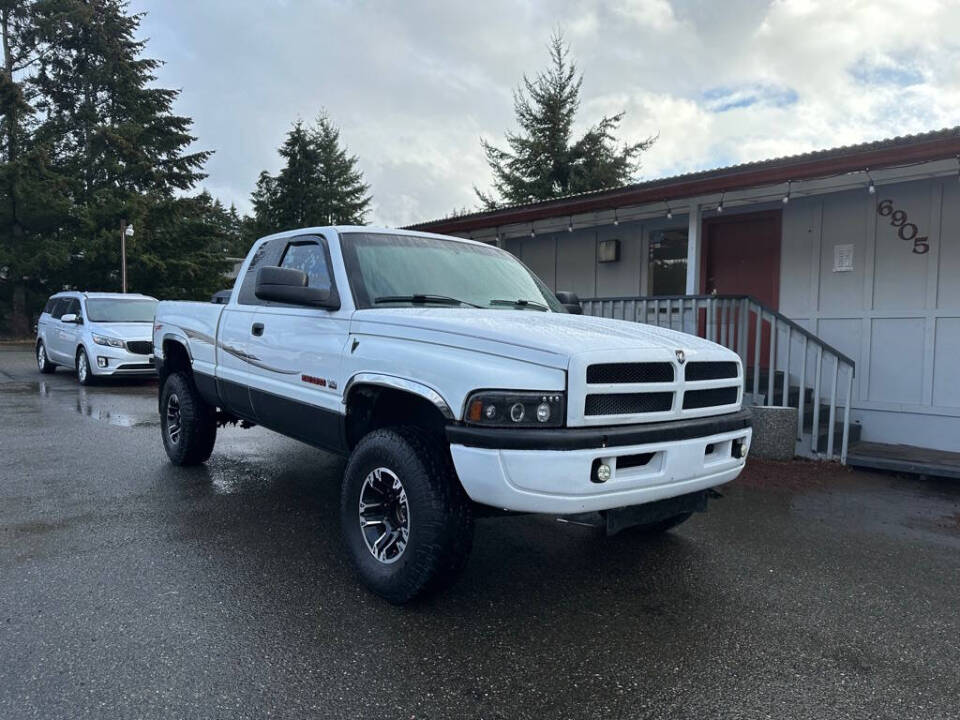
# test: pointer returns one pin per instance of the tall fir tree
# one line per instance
(34, 200)
(112, 133)
(319, 183)
(544, 160)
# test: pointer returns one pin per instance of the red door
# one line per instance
(742, 257)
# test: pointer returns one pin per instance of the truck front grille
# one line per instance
(630, 373)
(140, 347)
(710, 371)
(713, 397)
(628, 403)
(621, 391)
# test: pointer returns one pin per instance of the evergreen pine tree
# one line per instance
(319, 183)
(112, 134)
(543, 160)
(34, 200)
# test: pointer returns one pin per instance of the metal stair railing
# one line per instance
(743, 324)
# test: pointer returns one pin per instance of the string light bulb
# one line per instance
(786, 198)
(533, 233)
(871, 188)
(570, 225)
(616, 220)
(669, 210)
(720, 204)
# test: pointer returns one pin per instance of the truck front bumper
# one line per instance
(555, 471)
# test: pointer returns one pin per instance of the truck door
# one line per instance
(298, 351)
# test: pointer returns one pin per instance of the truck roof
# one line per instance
(341, 229)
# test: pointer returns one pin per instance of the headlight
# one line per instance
(104, 340)
(506, 408)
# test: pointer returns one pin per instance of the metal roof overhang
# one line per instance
(912, 150)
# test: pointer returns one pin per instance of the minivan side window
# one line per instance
(59, 307)
(72, 305)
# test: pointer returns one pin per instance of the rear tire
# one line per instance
(85, 374)
(43, 362)
(187, 423)
(406, 521)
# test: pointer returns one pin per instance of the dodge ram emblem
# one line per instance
(681, 358)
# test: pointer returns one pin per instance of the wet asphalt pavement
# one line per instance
(131, 588)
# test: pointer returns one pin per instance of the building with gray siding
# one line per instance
(859, 246)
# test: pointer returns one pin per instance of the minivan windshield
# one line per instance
(408, 270)
(120, 310)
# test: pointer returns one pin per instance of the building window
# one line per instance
(667, 266)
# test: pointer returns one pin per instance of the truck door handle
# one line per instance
(257, 329)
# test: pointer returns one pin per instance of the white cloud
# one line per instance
(415, 85)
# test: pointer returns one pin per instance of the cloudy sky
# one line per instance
(415, 84)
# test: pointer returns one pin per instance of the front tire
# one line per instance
(43, 362)
(85, 374)
(188, 424)
(405, 518)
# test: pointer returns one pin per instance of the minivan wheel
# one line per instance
(43, 362)
(188, 424)
(84, 374)
(405, 518)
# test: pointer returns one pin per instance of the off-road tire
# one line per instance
(84, 376)
(43, 362)
(440, 515)
(193, 441)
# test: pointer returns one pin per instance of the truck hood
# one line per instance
(558, 333)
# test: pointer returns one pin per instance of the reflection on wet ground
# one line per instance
(106, 403)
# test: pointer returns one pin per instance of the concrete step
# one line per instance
(905, 459)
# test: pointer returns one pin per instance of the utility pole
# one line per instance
(125, 232)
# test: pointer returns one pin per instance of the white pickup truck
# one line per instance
(456, 383)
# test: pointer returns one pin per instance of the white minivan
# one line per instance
(99, 334)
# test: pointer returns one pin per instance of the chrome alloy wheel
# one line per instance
(384, 515)
(41, 356)
(82, 367)
(173, 419)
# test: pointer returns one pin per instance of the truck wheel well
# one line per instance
(175, 359)
(370, 407)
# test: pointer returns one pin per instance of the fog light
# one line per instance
(739, 449)
(102, 362)
(603, 473)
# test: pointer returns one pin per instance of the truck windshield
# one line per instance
(407, 270)
(110, 310)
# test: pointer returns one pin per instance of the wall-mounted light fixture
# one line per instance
(608, 251)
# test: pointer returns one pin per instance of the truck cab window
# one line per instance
(311, 259)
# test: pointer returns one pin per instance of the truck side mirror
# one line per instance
(570, 301)
(291, 286)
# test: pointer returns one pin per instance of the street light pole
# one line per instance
(125, 232)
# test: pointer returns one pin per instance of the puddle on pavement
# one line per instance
(105, 404)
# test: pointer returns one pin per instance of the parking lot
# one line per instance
(131, 588)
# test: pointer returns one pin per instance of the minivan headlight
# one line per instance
(510, 408)
(104, 340)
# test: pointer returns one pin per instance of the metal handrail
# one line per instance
(727, 321)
